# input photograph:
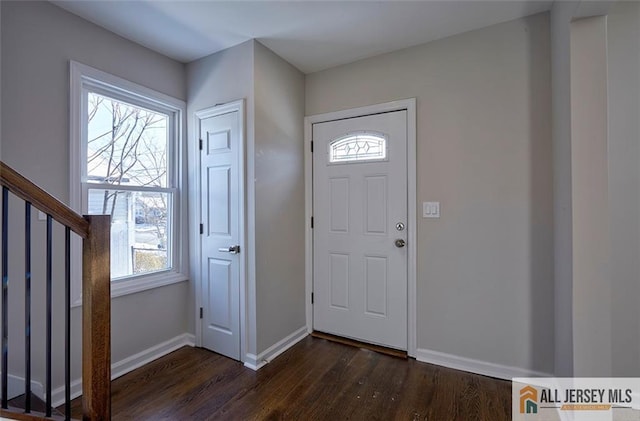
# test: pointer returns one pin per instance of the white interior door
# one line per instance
(220, 232)
(359, 233)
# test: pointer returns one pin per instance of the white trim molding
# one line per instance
(196, 217)
(129, 364)
(256, 362)
(82, 79)
(470, 365)
(412, 234)
(15, 387)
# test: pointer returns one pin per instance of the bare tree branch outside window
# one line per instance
(127, 146)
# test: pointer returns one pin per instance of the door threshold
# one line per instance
(352, 342)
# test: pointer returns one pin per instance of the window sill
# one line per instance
(141, 283)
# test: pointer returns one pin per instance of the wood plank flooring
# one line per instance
(314, 380)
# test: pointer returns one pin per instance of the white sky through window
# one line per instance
(126, 144)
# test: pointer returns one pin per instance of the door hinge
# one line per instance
(201, 312)
(312, 298)
(312, 146)
(312, 222)
(201, 228)
(201, 142)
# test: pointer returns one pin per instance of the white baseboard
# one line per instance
(123, 367)
(253, 362)
(129, 364)
(57, 394)
(256, 362)
(475, 366)
(15, 387)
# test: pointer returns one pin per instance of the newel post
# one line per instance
(96, 320)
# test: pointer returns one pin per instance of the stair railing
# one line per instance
(96, 301)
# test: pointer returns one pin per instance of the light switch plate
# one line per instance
(431, 209)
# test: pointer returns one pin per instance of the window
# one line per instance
(127, 140)
(362, 146)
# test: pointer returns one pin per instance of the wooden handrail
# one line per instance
(29, 192)
(96, 320)
(96, 295)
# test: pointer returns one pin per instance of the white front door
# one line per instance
(220, 232)
(360, 233)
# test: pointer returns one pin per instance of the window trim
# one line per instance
(81, 78)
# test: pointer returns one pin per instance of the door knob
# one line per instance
(231, 249)
(400, 243)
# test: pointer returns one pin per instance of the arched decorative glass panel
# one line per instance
(364, 146)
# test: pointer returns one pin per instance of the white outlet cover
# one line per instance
(431, 209)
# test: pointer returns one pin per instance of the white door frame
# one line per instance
(410, 106)
(195, 216)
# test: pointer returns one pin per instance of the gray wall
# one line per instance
(561, 15)
(485, 268)
(216, 79)
(38, 40)
(596, 72)
(279, 197)
(623, 50)
(274, 91)
(590, 208)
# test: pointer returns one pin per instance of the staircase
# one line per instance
(96, 301)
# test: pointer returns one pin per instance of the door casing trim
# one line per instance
(410, 106)
(196, 217)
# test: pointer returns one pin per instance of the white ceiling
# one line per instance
(311, 35)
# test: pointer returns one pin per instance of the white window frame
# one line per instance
(83, 79)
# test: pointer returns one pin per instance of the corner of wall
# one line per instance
(592, 305)
(561, 15)
(276, 187)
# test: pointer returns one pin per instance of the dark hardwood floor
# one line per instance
(314, 380)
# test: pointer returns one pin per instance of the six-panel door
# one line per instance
(220, 203)
(360, 215)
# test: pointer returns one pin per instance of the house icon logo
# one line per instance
(528, 400)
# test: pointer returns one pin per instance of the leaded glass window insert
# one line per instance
(358, 147)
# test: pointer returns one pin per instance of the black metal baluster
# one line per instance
(49, 293)
(67, 322)
(5, 288)
(27, 306)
